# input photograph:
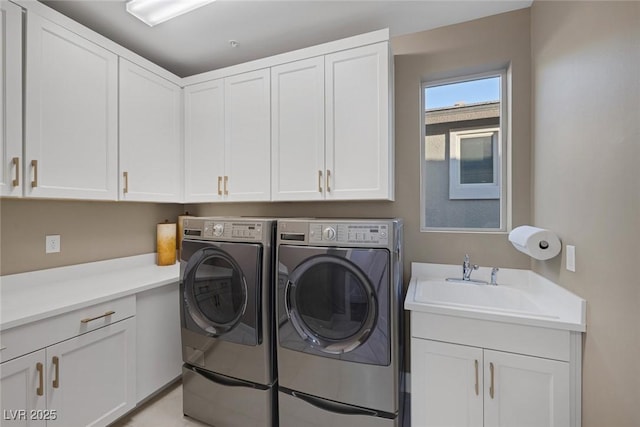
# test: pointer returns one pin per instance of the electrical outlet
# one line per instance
(571, 258)
(52, 244)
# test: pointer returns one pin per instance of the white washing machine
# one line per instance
(340, 329)
(228, 337)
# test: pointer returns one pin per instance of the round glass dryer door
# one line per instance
(215, 290)
(331, 303)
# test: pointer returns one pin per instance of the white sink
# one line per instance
(521, 297)
(500, 298)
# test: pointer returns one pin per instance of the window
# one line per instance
(474, 164)
(463, 154)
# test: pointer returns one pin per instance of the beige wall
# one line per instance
(586, 186)
(90, 231)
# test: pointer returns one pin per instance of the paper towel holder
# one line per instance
(538, 243)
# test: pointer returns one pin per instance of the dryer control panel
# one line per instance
(349, 233)
(212, 229)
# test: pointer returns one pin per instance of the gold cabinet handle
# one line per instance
(40, 369)
(477, 386)
(226, 182)
(34, 166)
(328, 180)
(491, 388)
(320, 181)
(16, 162)
(91, 319)
(56, 365)
(125, 177)
(219, 184)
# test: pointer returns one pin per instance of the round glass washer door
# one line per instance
(215, 290)
(331, 303)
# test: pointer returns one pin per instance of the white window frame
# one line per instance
(506, 203)
(458, 190)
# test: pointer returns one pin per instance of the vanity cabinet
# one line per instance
(150, 136)
(331, 121)
(227, 139)
(71, 107)
(458, 385)
(11, 95)
(81, 373)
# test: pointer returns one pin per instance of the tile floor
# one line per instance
(165, 410)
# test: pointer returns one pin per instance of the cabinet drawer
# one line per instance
(522, 339)
(33, 336)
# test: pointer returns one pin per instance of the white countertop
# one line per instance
(521, 297)
(32, 296)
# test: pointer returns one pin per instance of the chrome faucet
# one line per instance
(494, 276)
(467, 268)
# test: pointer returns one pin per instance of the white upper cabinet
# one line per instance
(204, 141)
(331, 127)
(11, 95)
(227, 139)
(247, 136)
(359, 145)
(297, 130)
(150, 136)
(71, 123)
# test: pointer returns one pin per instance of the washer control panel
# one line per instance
(226, 230)
(349, 233)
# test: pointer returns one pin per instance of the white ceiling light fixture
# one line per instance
(153, 12)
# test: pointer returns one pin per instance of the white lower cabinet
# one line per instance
(22, 387)
(86, 380)
(458, 385)
(159, 350)
(92, 376)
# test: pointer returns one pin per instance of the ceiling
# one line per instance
(199, 41)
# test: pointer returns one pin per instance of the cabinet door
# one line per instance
(71, 123)
(359, 143)
(204, 141)
(158, 346)
(22, 382)
(297, 130)
(525, 391)
(248, 136)
(446, 385)
(150, 136)
(11, 95)
(93, 381)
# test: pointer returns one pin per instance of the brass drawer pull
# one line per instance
(34, 165)
(56, 365)
(491, 388)
(328, 180)
(320, 181)
(16, 162)
(91, 319)
(477, 387)
(219, 184)
(40, 369)
(226, 182)
(125, 177)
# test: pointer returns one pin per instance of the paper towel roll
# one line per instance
(166, 243)
(536, 242)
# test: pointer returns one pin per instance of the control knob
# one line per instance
(329, 233)
(218, 229)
